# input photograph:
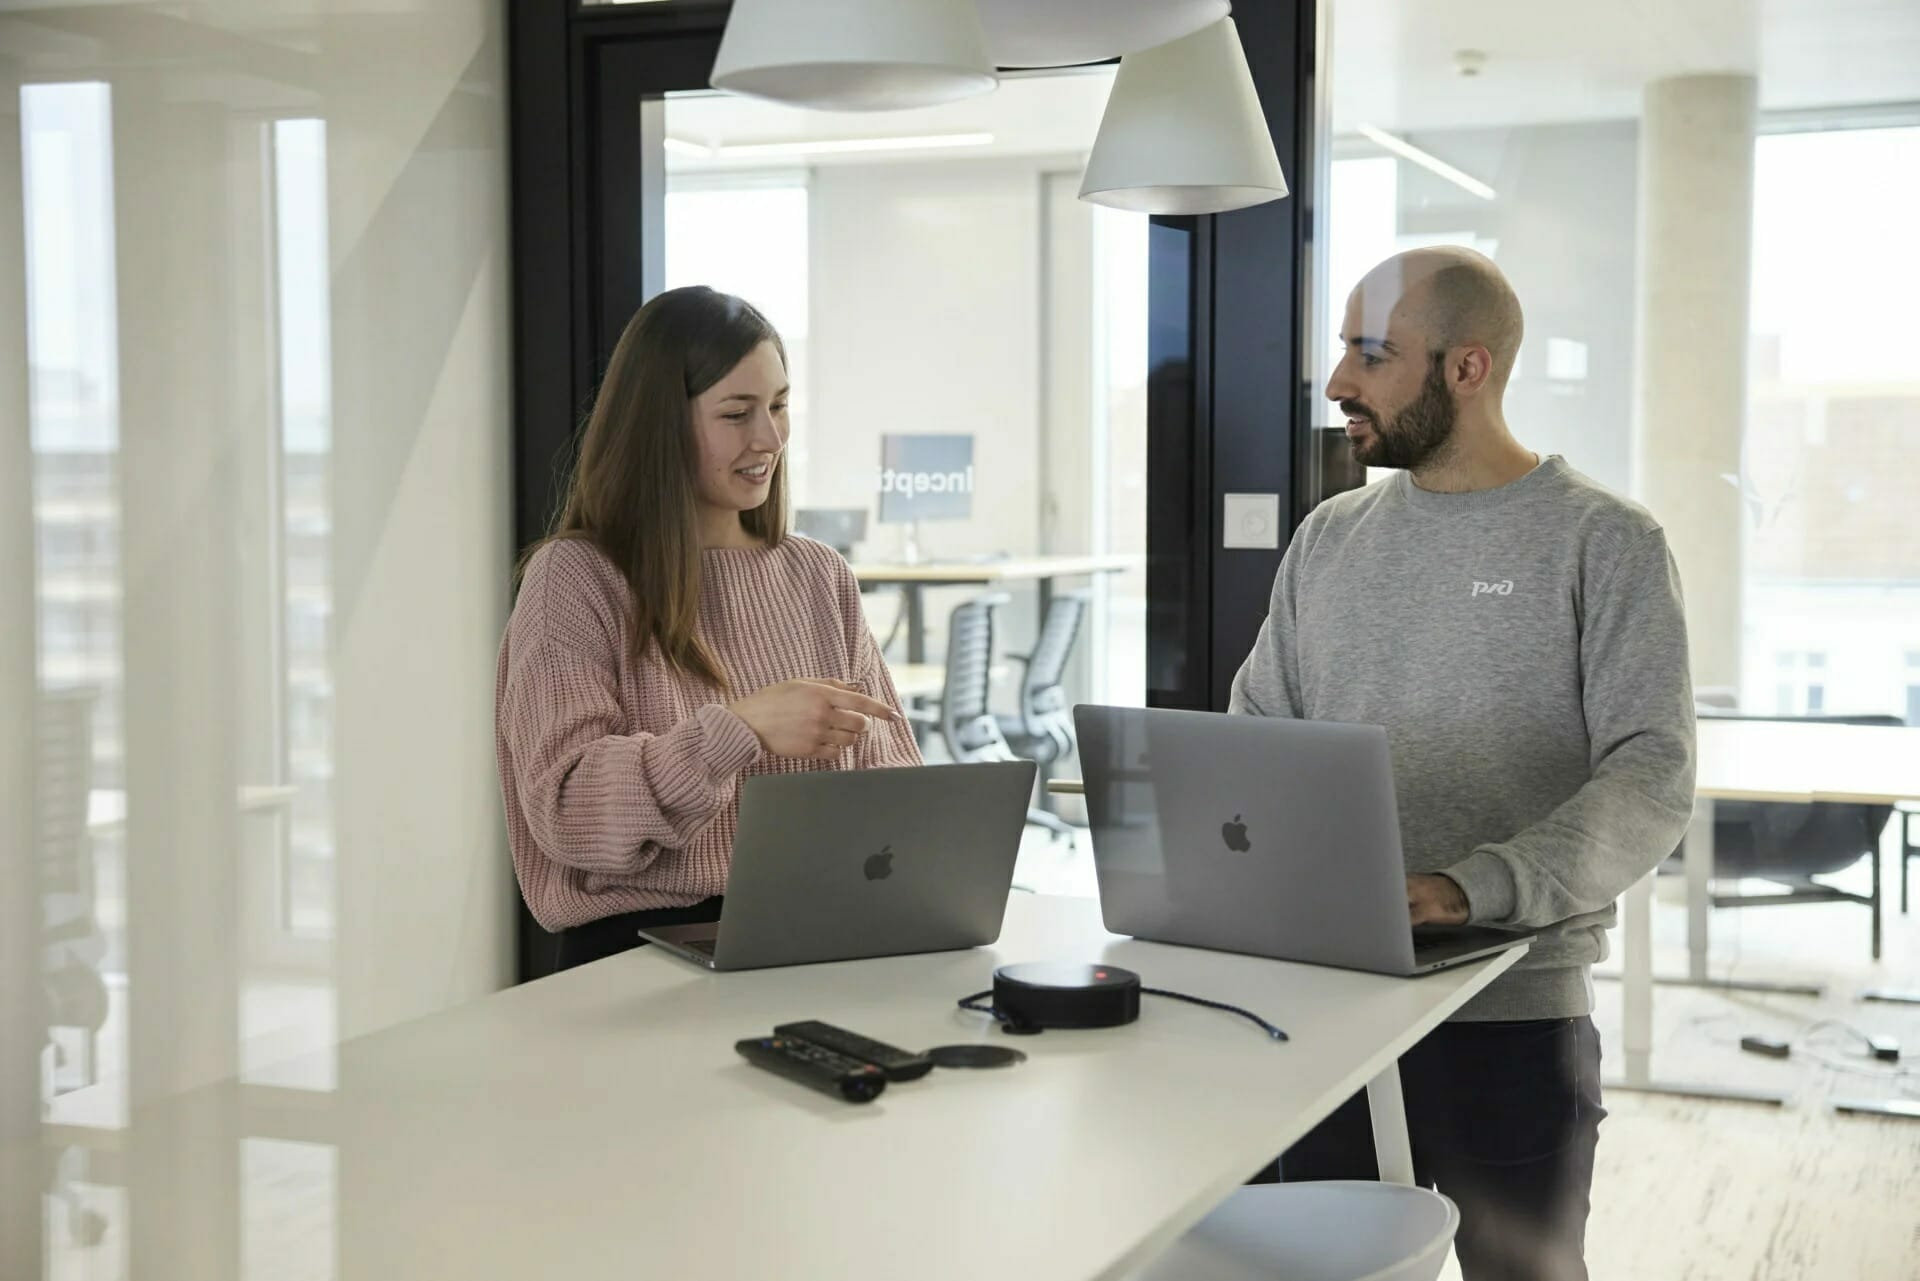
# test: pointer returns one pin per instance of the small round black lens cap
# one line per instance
(975, 1056)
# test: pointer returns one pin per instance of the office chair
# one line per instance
(72, 945)
(966, 722)
(1043, 730)
(1909, 847)
(1790, 844)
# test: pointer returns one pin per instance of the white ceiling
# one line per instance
(1558, 60)
(1393, 66)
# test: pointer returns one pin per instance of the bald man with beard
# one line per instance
(1518, 630)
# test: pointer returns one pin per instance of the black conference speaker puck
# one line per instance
(975, 1056)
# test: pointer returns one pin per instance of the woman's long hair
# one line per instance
(632, 494)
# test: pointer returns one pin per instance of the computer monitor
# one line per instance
(925, 478)
(838, 527)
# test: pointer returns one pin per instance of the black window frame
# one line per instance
(1230, 414)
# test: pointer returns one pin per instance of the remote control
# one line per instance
(802, 1061)
(898, 1064)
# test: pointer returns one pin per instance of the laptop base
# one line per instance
(1440, 947)
(695, 943)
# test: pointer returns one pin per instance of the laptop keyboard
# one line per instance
(702, 946)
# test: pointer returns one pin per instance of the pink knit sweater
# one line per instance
(622, 779)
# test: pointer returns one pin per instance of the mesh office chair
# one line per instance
(1790, 844)
(72, 946)
(1909, 846)
(966, 722)
(1043, 730)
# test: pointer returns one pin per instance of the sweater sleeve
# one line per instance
(1638, 698)
(594, 798)
(1268, 683)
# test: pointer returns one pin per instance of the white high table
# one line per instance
(1781, 761)
(598, 1124)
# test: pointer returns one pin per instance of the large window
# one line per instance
(1832, 565)
(302, 745)
(746, 234)
(255, 518)
(73, 414)
(1554, 153)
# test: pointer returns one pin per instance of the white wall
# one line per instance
(972, 295)
(925, 318)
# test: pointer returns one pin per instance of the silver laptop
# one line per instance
(1257, 834)
(846, 864)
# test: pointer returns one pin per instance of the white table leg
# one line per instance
(1697, 853)
(1636, 998)
(1392, 1146)
(1636, 994)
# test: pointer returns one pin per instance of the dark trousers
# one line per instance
(1504, 1119)
(610, 935)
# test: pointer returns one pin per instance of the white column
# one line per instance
(1696, 252)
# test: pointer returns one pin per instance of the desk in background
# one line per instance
(1782, 761)
(597, 1124)
(913, 580)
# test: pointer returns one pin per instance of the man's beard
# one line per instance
(1416, 433)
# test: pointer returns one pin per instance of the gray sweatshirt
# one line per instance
(1526, 651)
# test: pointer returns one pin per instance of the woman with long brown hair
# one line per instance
(670, 638)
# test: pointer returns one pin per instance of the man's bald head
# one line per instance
(1447, 297)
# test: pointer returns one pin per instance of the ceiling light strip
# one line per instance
(1426, 160)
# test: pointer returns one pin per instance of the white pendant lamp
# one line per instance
(1067, 33)
(1183, 132)
(854, 55)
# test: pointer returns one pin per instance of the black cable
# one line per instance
(1811, 1030)
(1271, 1030)
(899, 621)
(972, 1003)
(1008, 1024)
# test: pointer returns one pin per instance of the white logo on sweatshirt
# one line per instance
(1502, 588)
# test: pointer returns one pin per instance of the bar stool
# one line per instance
(1315, 1232)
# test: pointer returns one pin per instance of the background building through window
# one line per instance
(1789, 490)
